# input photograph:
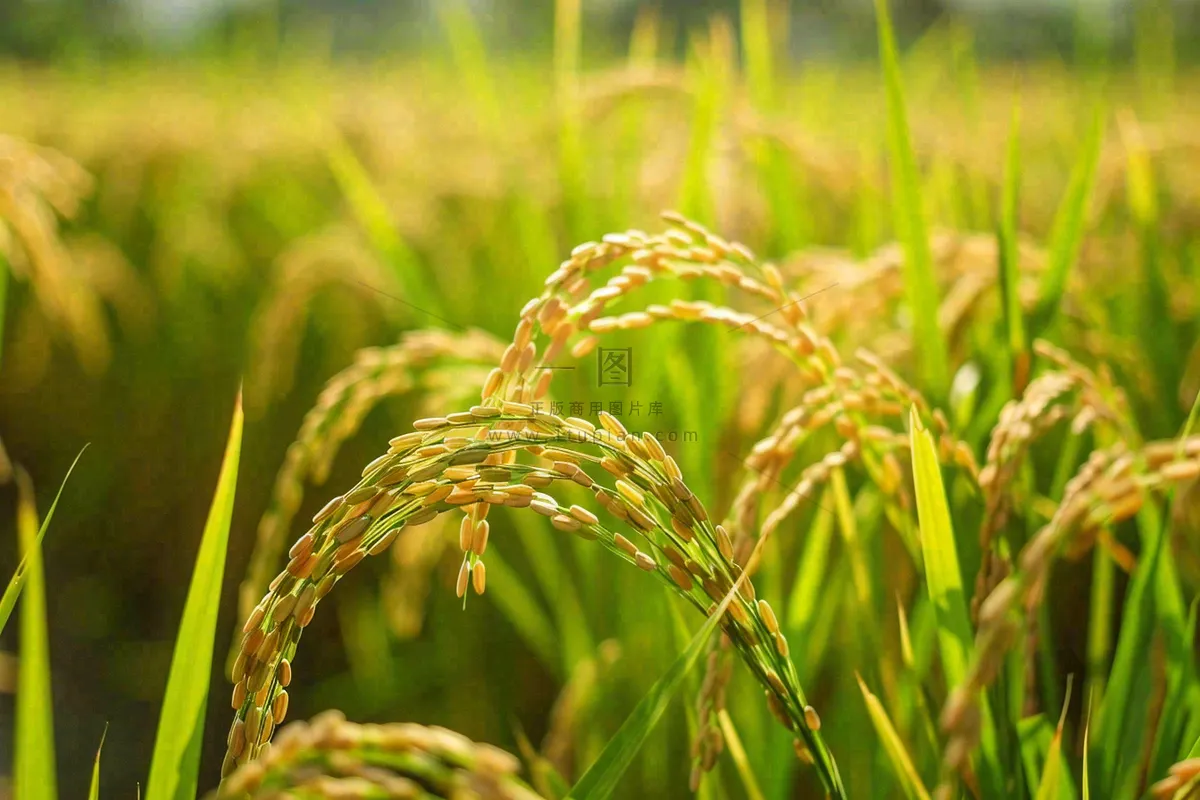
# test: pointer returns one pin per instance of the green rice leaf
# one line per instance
(1056, 777)
(94, 789)
(175, 765)
(919, 281)
(1066, 236)
(33, 760)
(17, 582)
(944, 580)
(902, 765)
(1085, 778)
(1123, 715)
(601, 778)
(1035, 736)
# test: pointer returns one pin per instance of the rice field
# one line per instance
(656, 418)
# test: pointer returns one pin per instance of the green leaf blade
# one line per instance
(902, 764)
(944, 580)
(174, 770)
(34, 769)
(601, 778)
(17, 582)
(94, 788)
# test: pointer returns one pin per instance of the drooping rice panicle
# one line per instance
(330, 757)
(1110, 487)
(377, 373)
(1071, 392)
(468, 458)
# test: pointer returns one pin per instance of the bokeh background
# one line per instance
(218, 194)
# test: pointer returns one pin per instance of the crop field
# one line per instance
(664, 417)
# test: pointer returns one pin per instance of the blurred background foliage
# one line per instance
(199, 194)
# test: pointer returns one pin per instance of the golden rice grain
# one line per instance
(624, 544)
(811, 719)
(768, 615)
(680, 577)
(283, 673)
(613, 425)
(328, 510)
(630, 492)
(564, 522)
(279, 707)
(239, 695)
(464, 575)
(583, 515)
(479, 577)
(479, 538)
(724, 545)
(465, 532)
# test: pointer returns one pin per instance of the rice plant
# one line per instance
(871, 472)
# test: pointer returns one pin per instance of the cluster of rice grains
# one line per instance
(506, 452)
(332, 758)
(377, 373)
(1109, 488)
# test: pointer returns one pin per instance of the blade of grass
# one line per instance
(33, 759)
(1035, 735)
(175, 764)
(17, 582)
(1085, 778)
(920, 283)
(602, 776)
(1122, 715)
(94, 789)
(1178, 702)
(944, 580)
(902, 765)
(1066, 236)
(1056, 777)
